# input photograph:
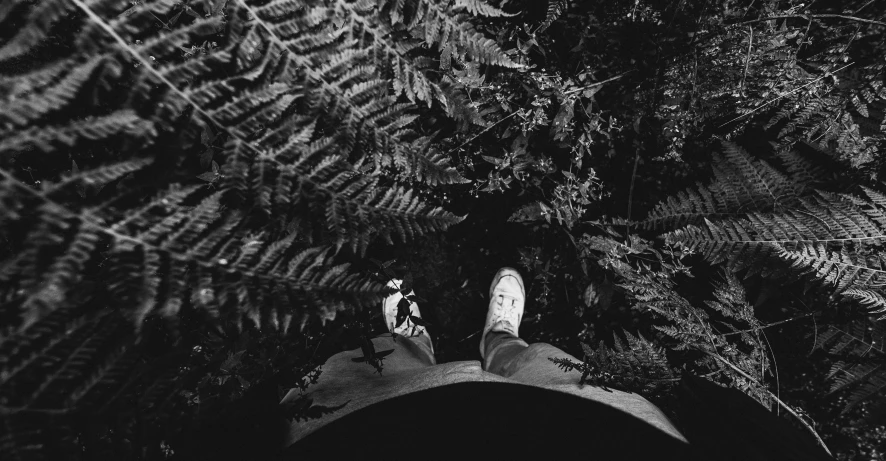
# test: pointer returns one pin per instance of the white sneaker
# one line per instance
(407, 328)
(507, 298)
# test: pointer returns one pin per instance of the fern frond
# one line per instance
(741, 184)
(859, 357)
(874, 302)
(347, 75)
(87, 271)
(439, 26)
(51, 138)
(25, 107)
(37, 25)
(802, 171)
(637, 365)
(840, 268)
(479, 7)
(556, 8)
(825, 219)
(691, 328)
(432, 166)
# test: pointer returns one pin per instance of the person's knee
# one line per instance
(545, 350)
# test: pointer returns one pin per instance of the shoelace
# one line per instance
(507, 310)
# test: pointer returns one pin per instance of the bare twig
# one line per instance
(783, 405)
(749, 8)
(470, 335)
(805, 37)
(631, 192)
(863, 6)
(775, 367)
(760, 328)
(595, 84)
(809, 16)
(747, 61)
(482, 132)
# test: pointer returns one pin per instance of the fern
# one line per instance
(555, 10)
(725, 327)
(741, 184)
(439, 26)
(635, 366)
(750, 242)
(832, 240)
(119, 236)
(828, 236)
(844, 114)
(859, 359)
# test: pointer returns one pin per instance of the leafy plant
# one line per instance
(289, 105)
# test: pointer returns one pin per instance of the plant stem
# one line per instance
(783, 405)
(595, 84)
(809, 16)
(482, 132)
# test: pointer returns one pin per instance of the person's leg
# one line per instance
(506, 355)
(409, 353)
(412, 347)
(511, 357)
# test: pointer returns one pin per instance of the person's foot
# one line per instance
(507, 298)
(390, 306)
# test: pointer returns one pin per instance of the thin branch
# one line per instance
(760, 328)
(827, 73)
(863, 6)
(784, 405)
(805, 38)
(746, 11)
(747, 61)
(775, 367)
(631, 193)
(596, 84)
(809, 16)
(482, 132)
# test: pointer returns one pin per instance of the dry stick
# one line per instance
(760, 328)
(749, 8)
(863, 6)
(786, 94)
(631, 193)
(805, 38)
(484, 131)
(595, 84)
(747, 61)
(809, 16)
(775, 367)
(784, 405)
